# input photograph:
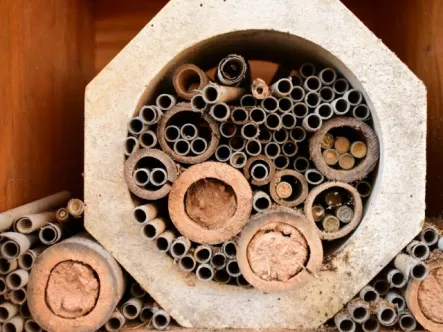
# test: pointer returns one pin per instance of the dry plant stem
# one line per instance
(16, 323)
(261, 201)
(131, 308)
(115, 322)
(164, 241)
(342, 144)
(187, 263)
(8, 310)
(297, 180)
(207, 120)
(358, 149)
(33, 222)
(75, 207)
(386, 313)
(203, 253)
(331, 157)
(344, 322)
(205, 272)
(32, 326)
(145, 213)
(188, 79)
(411, 267)
(62, 215)
(396, 278)
(214, 93)
(396, 299)
(18, 296)
(318, 212)
(359, 310)
(161, 320)
(152, 229)
(418, 250)
(361, 170)
(50, 234)
(369, 294)
(180, 247)
(45, 204)
(131, 145)
(17, 279)
(260, 90)
(7, 266)
(282, 87)
(16, 244)
(330, 224)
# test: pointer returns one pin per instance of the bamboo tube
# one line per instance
(145, 213)
(301, 164)
(312, 84)
(150, 114)
(227, 130)
(152, 229)
(165, 101)
(248, 100)
(50, 234)
(239, 115)
(131, 308)
(188, 79)
(314, 177)
(115, 322)
(220, 112)
(333, 198)
(282, 87)
(136, 126)
(7, 266)
(369, 294)
(359, 149)
(281, 162)
(7, 311)
(199, 146)
(344, 213)
(258, 115)
(340, 86)
(327, 76)
(250, 131)
(288, 121)
(289, 149)
(164, 241)
(297, 94)
(359, 310)
(45, 204)
(306, 70)
(17, 279)
(205, 272)
(16, 244)
(342, 144)
(273, 122)
(203, 253)
(62, 215)
(260, 90)
(131, 145)
(16, 323)
(233, 70)
(253, 147)
(161, 320)
(327, 141)
(214, 93)
(280, 136)
(270, 104)
(33, 222)
(238, 159)
(147, 139)
(364, 188)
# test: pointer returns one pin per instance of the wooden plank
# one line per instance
(413, 29)
(46, 62)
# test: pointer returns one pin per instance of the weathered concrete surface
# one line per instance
(395, 210)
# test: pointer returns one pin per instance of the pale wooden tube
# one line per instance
(33, 222)
(75, 207)
(7, 311)
(17, 279)
(214, 93)
(18, 296)
(131, 308)
(3, 288)
(32, 326)
(164, 241)
(115, 322)
(50, 234)
(145, 213)
(14, 324)
(146, 312)
(16, 244)
(152, 229)
(161, 319)
(45, 204)
(7, 266)
(27, 260)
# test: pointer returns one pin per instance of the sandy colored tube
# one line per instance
(164, 241)
(131, 145)
(369, 294)
(198, 104)
(152, 229)
(218, 259)
(75, 207)
(429, 235)
(3, 288)
(261, 201)
(314, 177)
(32, 326)
(147, 139)
(50, 234)
(187, 263)
(260, 90)
(371, 325)
(165, 101)
(407, 321)
(45, 204)
(17, 279)
(344, 323)
(16, 323)
(136, 290)
(159, 177)
(150, 115)
(203, 253)
(418, 250)
(23, 310)
(327, 76)
(223, 153)
(396, 299)
(131, 308)
(330, 223)
(145, 213)
(285, 105)
(220, 112)
(33, 222)
(205, 272)
(260, 172)
(312, 122)
(222, 277)
(248, 100)
(188, 79)
(331, 157)
(16, 244)
(18, 296)
(386, 314)
(161, 319)
(282, 87)
(172, 133)
(214, 93)
(358, 310)
(411, 267)
(62, 215)
(396, 278)
(344, 213)
(238, 159)
(9, 310)
(229, 248)
(318, 212)
(232, 268)
(136, 126)
(180, 247)
(381, 285)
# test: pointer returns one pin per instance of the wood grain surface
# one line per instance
(46, 59)
(50, 49)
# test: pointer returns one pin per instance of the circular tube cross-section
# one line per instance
(288, 188)
(361, 170)
(210, 202)
(357, 209)
(150, 156)
(184, 110)
(424, 297)
(259, 160)
(75, 286)
(278, 250)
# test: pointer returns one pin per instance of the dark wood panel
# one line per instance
(46, 60)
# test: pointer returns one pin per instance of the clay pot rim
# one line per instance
(247, 170)
(298, 221)
(363, 168)
(414, 306)
(220, 171)
(212, 146)
(108, 296)
(358, 209)
(132, 161)
(276, 179)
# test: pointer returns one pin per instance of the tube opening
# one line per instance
(218, 260)
(248, 101)
(407, 323)
(18, 295)
(381, 286)
(262, 203)
(230, 249)
(419, 271)
(149, 231)
(259, 171)
(165, 101)
(270, 104)
(301, 164)
(265, 135)
(182, 147)
(238, 159)
(313, 83)
(159, 177)
(341, 86)
(4, 314)
(187, 263)
(203, 254)
(198, 103)
(258, 115)
(160, 321)
(146, 314)
(284, 86)
(280, 136)
(288, 121)
(239, 115)
(114, 323)
(233, 68)
(130, 310)
(398, 279)
(273, 121)
(136, 125)
(2, 286)
(363, 188)
(328, 76)
(24, 224)
(312, 99)
(172, 133)
(325, 111)
(314, 121)
(222, 276)
(14, 280)
(205, 273)
(198, 146)
(149, 114)
(233, 268)
(9, 327)
(297, 94)
(281, 162)
(189, 131)
(140, 215)
(162, 244)
(347, 325)
(5, 265)
(387, 315)
(32, 326)
(298, 134)
(327, 94)
(228, 129)
(272, 150)
(210, 93)
(220, 111)
(223, 153)
(178, 249)
(141, 177)
(285, 104)
(149, 139)
(430, 235)
(420, 251)
(307, 69)
(341, 106)
(354, 97)
(250, 131)
(371, 324)
(359, 313)
(237, 143)
(399, 302)
(241, 281)
(300, 110)
(10, 249)
(314, 177)
(253, 147)
(130, 145)
(362, 112)
(189, 80)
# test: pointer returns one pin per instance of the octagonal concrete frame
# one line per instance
(394, 214)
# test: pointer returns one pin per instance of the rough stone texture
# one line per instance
(397, 97)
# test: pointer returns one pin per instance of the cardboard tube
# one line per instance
(75, 207)
(7, 311)
(381, 285)
(227, 130)
(340, 106)
(159, 177)
(272, 150)
(429, 235)
(288, 121)
(330, 224)
(250, 131)
(312, 99)
(331, 157)
(359, 310)
(188, 79)
(16, 244)
(361, 112)
(386, 314)
(45, 204)
(344, 323)
(145, 213)
(318, 212)
(340, 86)
(131, 145)
(141, 177)
(232, 268)
(150, 115)
(164, 241)
(238, 159)
(369, 294)
(148, 139)
(261, 201)
(17, 279)
(131, 308)
(218, 259)
(165, 101)
(418, 250)
(180, 247)
(33, 222)
(199, 146)
(289, 149)
(300, 110)
(285, 105)
(359, 149)
(229, 248)
(260, 90)
(50, 234)
(136, 126)
(281, 162)
(205, 272)
(354, 97)
(327, 94)
(16, 323)
(214, 93)
(161, 320)
(346, 161)
(297, 94)
(152, 229)
(344, 213)
(371, 325)
(282, 87)
(273, 122)
(239, 115)
(203, 253)
(312, 84)
(324, 111)
(327, 76)
(253, 147)
(115, 322)
(280, 136)
(314, 177)
(364, 188)
(407, 321)
(270, 104)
